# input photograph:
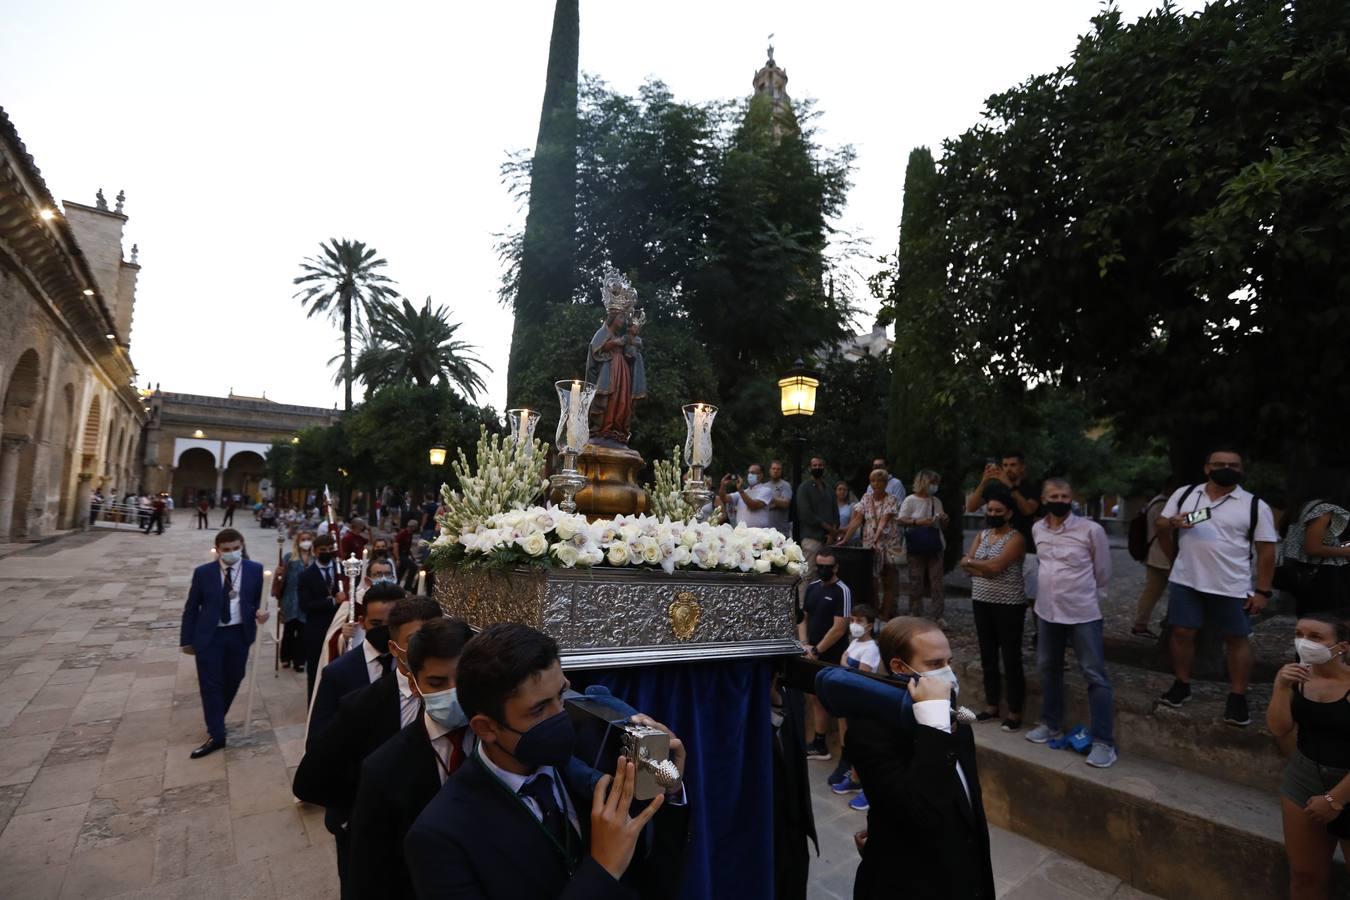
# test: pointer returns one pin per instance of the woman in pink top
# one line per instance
(878, 514)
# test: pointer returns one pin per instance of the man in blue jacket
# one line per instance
(223, 605)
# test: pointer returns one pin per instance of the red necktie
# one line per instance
(456, 737)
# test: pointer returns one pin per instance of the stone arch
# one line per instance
(93, 428)
(18, 449)
(244, 474)
(194, 475)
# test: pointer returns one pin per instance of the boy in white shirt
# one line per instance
(864, 655)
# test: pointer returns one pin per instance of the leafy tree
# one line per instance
(546, 273)
(344, 281)
(1159, 224)
(406, 345)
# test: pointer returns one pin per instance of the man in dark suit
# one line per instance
(320, 592)
(363, 664)
(220, 620)
(330, 771)
(522, 818)
(402, 776)
(926, 831)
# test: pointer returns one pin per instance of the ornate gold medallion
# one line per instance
(684, 612)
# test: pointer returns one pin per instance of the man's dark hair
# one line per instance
(384, 592)
(497, 662)
(1224, 448)
(998, 491)
(324, 538)
(1012, 454)
(226, 535)
(412, 609)
(440, 639)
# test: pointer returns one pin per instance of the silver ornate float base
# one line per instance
(627, 617)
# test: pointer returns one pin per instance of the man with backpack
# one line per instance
(1145, 547)
(1214, 531)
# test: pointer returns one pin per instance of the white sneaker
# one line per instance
(1103, 756)
(1043, 734)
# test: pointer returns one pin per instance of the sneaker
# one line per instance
(985, 716)
(1235, 711)
(1103, 756)
(1177, 694)
(859, 802)
(1011, 725)
(1044, 734)
(817, 750)
(847, 786)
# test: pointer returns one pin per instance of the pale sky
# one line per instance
(246, 133)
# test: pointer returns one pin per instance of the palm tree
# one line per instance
(344, 282)
(406, 345)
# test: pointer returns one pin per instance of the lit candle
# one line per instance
(702, 452)
(576, 434)
(421, 582)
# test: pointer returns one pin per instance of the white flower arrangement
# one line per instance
(547, 536)
(508, 475)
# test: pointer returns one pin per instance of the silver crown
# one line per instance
(618, 293)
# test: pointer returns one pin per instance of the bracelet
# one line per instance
(1335, 804)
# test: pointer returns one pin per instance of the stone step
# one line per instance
(1194, 737)
(1159, 828)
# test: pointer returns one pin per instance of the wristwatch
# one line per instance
(1266, 594)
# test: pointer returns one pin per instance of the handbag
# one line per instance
(924, 540)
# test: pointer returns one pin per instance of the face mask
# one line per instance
(306, 545)
(945, 674)
(1059, 508)
(995, 521)
(1225, 477)
(1311, 653)
(379, 637)
(384, 579)
(444, 708)
(326, 558)
(857, 630)
(817, 473)
(231, 557)
(549, 743)
(752, 479)
(933, 488)
(825, 572)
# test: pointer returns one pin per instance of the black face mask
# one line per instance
(1059, 508)
(825, 572)
(817, 473)
(379, 638)
(1225, 477)
(325, 558)
(995, 521)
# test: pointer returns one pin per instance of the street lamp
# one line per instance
(436, 455)
(797, 391)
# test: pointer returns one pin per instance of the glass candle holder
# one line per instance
(574, 409)
(521, 424)
(698, 423)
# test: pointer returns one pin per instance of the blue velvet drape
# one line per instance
(721, 712)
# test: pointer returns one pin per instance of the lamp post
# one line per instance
(797, 390)
(436, 455)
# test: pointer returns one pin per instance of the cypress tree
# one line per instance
(547, 264)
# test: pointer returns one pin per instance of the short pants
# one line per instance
(1189, 608)
(1304, 779)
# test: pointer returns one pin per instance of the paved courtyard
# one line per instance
(98, 797)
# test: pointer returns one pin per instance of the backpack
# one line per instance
(1139, 543)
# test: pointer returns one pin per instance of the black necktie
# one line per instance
(540, 790)
(386, 662)
(328, 579)
(229, 587)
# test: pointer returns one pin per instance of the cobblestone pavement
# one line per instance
(98, 797)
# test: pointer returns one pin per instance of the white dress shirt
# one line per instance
(409, 704)
(234, 571)
(515, 782)
(938, 714)
(440, 743)
(374, 665)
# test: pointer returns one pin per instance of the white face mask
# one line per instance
(306, 545)
(857, 630)
(231, 557)
(1311, 653)
(944, 674)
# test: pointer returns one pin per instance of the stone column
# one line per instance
(220, 482)
(10, 449)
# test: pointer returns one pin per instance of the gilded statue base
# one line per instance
(603, 617)
(612, 487)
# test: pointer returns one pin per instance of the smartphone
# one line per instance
(1200, 515)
